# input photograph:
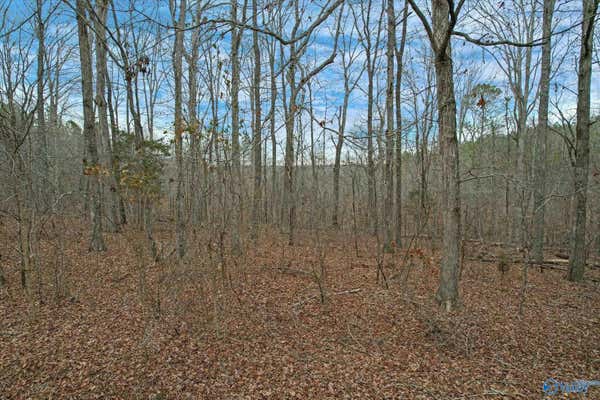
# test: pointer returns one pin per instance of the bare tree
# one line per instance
(296, 49)
(236, 37)
(41, 178)
(101, 78)
(91, 167)
(349, 54)
(390, 136)
(257, 124)
(539, 183)
(179, 20)
(578, 256)
(400, 67)
(444, 18)
(363, 18)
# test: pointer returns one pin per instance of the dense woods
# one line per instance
(233, 175)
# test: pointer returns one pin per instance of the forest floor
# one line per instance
(117, 325)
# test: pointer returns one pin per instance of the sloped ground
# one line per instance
(216, 330)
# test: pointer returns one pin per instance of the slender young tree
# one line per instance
(349, 55)
(41, 177)
(178, 126)
(363, 19)
(398, 97)
(541, 133)
(256, 126)
(389, 126)
(236, 38)
(297, 48)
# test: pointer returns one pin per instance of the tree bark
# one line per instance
(257, 127)
(447, 294)
(578, 255)
(177, 70)
(389, 127)
(236, 194)
(399, 63)
(101, 78)
(539, 183)
(41, 177)
(91, 167)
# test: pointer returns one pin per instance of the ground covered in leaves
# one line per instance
(280, 322)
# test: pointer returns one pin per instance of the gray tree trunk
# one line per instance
(273, 87)
(91, 166)
(390, 135)
(399, 63)
(257, 127)
(539, 183)
(447, 294)
(101, 78)
(41, 170)
(236, 194)
(178, 126)
(578, 254)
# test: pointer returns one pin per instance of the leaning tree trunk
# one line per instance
(91, 167)
(578, 255)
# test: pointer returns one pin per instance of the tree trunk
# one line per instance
(578, 255)
(91, 167)
(447, 294)
(257, 127)
(389, 127)
(372, 196)
(272, 126)
(338, 152)
(195, 131)
(101, 78)
(399, 63)
(539, 183)
(41, 173)
(236, 194)
(177, 71)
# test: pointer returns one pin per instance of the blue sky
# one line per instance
(327, 86)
